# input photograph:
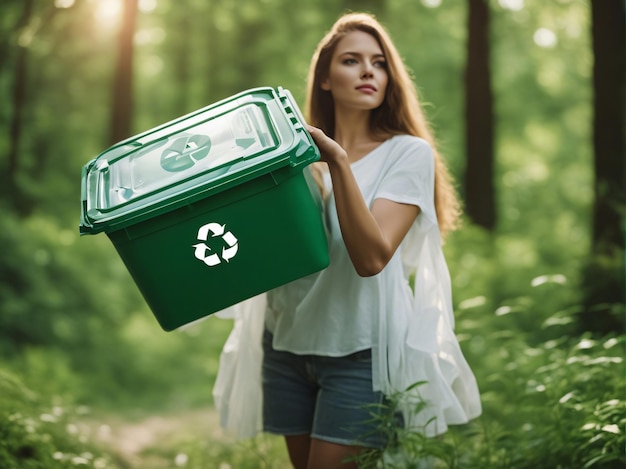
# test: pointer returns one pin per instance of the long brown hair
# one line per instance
(400, 112)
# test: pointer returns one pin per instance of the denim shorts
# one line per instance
(329, 398)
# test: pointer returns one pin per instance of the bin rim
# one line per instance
(295, 151)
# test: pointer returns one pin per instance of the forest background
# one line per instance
(527, 100)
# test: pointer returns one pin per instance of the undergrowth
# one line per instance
(551, 399)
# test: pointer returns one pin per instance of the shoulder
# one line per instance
(409, 141)
(411, 149)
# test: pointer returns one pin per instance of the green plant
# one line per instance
(549, 400)
(37, 435)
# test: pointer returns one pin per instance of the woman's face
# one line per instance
(357, 77)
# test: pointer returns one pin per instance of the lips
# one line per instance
(367, 88)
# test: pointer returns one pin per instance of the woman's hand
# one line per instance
(331, 152)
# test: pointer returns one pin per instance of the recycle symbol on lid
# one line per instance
(185, 151)
(206, 254)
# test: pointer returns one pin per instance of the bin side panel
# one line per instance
(197, 260)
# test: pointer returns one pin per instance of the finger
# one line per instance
(311, 129)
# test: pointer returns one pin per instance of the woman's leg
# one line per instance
(344, 426)
(289, 395)
(326, 455)
(298, 447)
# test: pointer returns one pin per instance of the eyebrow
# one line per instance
(358, 54)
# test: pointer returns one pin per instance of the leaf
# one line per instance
(566, 397)
(472, 302)
(415, 385)
(606, 457)
(557, 321)
(585, 344)
(612, 342)
(503, 310)
(589, 426)
(543, 279)
(603, 360)
(611, 429)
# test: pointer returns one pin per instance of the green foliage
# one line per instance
(262, 452)
(556, 404)
(35, 434)
(74, 327)
(52, 286)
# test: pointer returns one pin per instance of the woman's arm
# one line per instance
(371, 236)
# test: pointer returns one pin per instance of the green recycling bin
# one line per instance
(211, 208)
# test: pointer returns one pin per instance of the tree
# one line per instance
(479, 186)
(182, 52)
(122, 106)
(604, 277)
(20, 75)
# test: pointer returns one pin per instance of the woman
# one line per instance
(338, 342)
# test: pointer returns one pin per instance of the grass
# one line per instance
(36, 432)
(554, 404)
(552, 397)
(559, 404)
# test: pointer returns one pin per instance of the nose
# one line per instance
(368, 70)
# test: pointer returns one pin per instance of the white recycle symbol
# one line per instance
(215, 230)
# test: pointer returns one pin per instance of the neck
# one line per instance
(352, 128)
(352, 132)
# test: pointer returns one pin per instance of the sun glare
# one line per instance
(513, 5)
(147, 6)
(64, 3)
(545, 37)
(108, 12)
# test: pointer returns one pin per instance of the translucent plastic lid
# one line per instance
(166, 161)
(221, 143)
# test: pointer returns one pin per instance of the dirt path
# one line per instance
(188, 439)
(133, 441)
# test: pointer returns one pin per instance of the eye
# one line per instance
(349, 61)
(380, 64)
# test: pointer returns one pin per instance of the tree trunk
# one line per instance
(479, 187)
(20, 77)
(181, 50)
(122, 106)
(604, 276)
(213, 53)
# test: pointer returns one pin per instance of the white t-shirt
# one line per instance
(335, 312)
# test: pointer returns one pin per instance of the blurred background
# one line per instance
(527, 100)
